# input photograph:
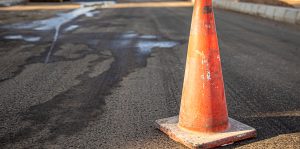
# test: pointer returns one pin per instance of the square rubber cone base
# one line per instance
(237, 131)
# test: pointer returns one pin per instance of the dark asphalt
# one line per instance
(104, 87)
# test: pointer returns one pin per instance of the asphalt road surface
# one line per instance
(116, 71)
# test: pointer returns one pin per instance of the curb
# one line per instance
(282, 14)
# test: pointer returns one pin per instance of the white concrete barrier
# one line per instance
(298, 19)
(279, 14)
(283, 14)
(270, 12)
(290, 16)
(254, 9)
(261, 10)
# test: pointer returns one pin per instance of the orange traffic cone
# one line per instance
(203, 120)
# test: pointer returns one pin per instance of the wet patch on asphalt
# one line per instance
(21, 37)
(36, 32)
(71, 28)
(54, 23)
(12, 62)
(71, 111)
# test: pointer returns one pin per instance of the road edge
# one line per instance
(276, 13)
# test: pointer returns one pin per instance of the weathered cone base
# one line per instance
(237, 131)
